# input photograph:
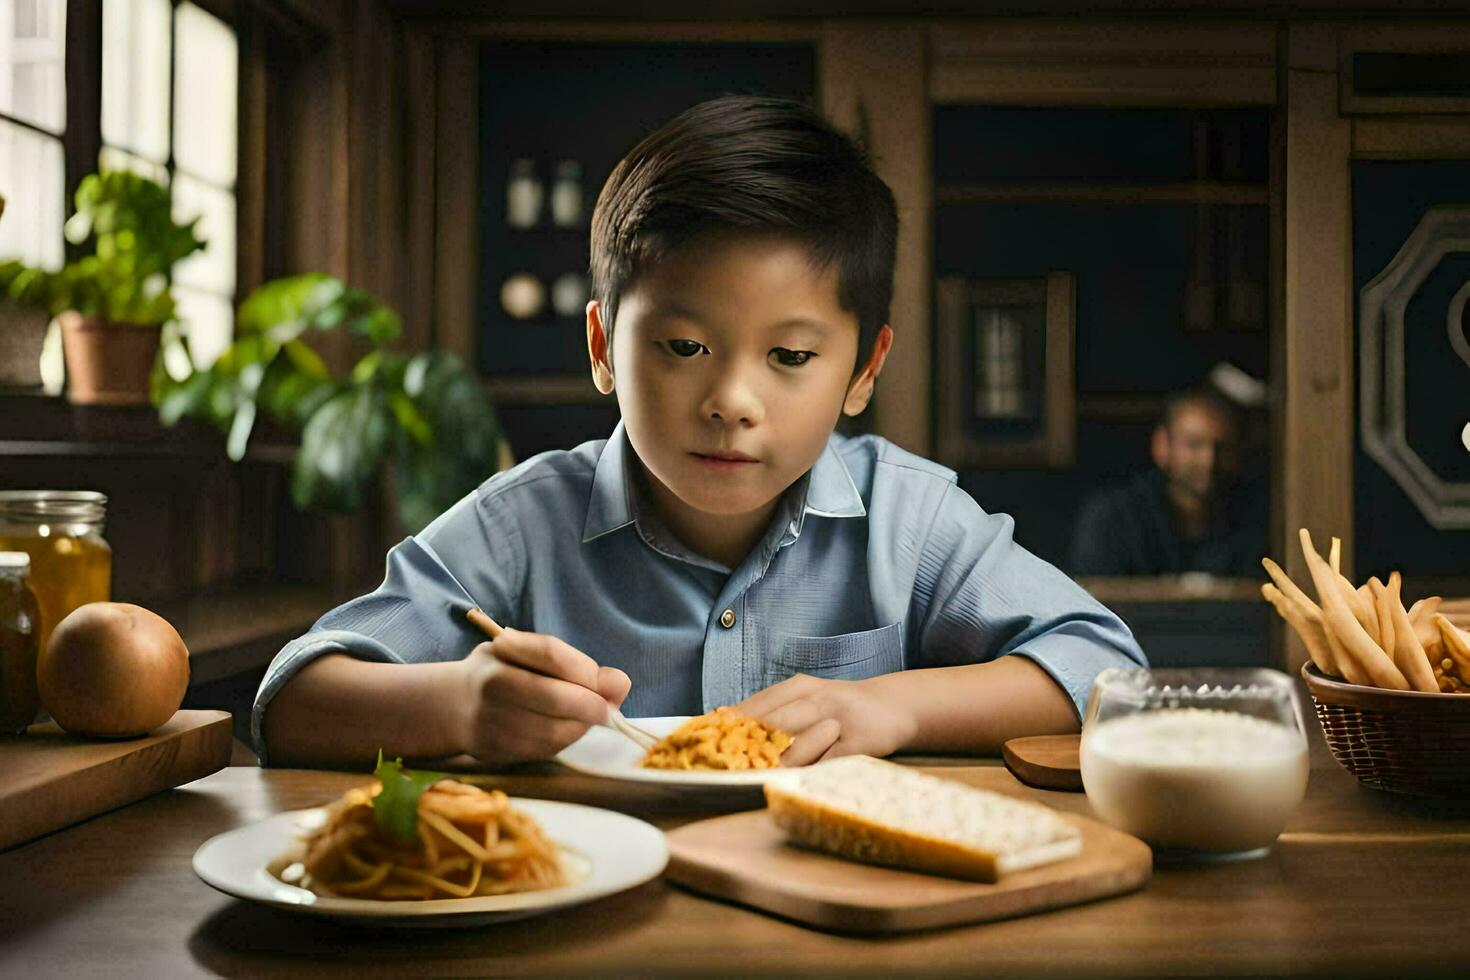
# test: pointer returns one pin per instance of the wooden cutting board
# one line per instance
(1045, 761)
(745, 858)
(49, 779)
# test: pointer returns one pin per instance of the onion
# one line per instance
(113, 670)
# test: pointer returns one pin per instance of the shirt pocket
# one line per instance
(849, 657)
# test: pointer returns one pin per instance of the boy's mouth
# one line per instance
(724, 460)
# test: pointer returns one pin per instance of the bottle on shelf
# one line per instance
(569, 294)
(566, 195)
(524, 194)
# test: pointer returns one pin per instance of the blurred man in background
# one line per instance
(1186, 514)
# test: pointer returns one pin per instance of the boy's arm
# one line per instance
(971, 709)
(1007, 646)
(405, 632)
(338, 711)
(525, 696)
(977, 707)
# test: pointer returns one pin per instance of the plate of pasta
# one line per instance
(718, 748)
(423, 849)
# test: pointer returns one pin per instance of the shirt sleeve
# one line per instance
(988, 597)
(472, 555)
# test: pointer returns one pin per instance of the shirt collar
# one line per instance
(611, 504)
(827, 490)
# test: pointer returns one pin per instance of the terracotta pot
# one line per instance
(107, 363)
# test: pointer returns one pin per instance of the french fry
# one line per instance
(1353, 649)
(1408, 652)
(1378, 593)
(1456, 645)
(1334, 557)
(1289, 588)
(1421, 615)
(1306, 620)
(1369, 622)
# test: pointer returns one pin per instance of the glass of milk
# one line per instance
(1200, 763)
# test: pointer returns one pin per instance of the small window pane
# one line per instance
(206, 64)
(208, 321)
(111, 158)
(31, 181)
(33, 62)
(135, 65)
(214, 268)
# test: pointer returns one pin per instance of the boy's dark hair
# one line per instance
(750, 164)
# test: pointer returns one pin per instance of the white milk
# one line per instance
(1195, 778)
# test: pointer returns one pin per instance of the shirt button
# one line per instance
(727, 618)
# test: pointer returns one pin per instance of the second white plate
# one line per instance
(604, 752)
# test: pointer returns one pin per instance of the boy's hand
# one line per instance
(528, 696)
(831, 718)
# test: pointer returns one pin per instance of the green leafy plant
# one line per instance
(135, 241)
(426, 415)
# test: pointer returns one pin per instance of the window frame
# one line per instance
(61, 138)
(81, 137)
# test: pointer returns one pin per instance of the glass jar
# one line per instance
(19, 646)
(1202, 763)
(71, 562)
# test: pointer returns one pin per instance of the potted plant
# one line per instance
(114, 302)
(424, 417)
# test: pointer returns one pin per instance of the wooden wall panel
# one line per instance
(1104, 62)
(456, 165)
(1411, 137)
(871, 81)
(1316, 457)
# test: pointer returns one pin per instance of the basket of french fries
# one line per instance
(1391, 685)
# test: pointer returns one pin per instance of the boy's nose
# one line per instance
(732, 402)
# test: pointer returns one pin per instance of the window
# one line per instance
(169, 83)
(32, 121)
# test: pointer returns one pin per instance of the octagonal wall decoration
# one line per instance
(1442, 234)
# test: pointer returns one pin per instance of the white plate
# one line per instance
(606, 852)
(604, 752)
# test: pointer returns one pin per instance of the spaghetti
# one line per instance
(468, 842)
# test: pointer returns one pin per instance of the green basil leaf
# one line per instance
(396, 808)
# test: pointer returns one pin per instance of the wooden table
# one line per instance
(1359, 883)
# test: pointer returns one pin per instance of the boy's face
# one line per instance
(732, 360)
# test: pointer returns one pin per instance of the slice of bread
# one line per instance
(869, 810)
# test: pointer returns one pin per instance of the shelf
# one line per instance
(550, 389)
(1194, 587)
(52, 427)
(238, 631)
(1189, 192)
(1121, 407)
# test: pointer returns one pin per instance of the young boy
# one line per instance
(724, 546)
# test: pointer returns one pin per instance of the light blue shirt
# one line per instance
(876, 561)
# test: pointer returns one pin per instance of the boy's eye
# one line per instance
(792, 358)
(685, 348)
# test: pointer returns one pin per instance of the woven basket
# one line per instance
(1401, 741)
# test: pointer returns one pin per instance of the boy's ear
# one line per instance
(597, 351)
(860, 389)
